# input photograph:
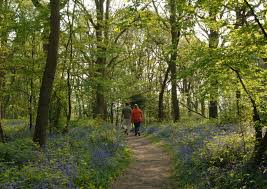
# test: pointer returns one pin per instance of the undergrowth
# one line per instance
(89, 156)
(210, 155)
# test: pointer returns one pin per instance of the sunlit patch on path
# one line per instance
(150, 168)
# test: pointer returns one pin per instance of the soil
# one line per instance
(149, 169)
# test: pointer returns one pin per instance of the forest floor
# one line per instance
(149, 169)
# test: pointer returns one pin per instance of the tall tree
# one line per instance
(101, 32)
(3, 58)
(175, 36)
(213, 43)
(40, 132)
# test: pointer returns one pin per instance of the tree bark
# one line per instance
(3, 43)
(2, 139)
(40, 132)
(69, 87)
(261, 144)
(213, 109)
(213, 43)
(161, 95)
(69, 100)
(101, 35)
(112, 113)
(32, 84)
(202, 102)
(175, 36)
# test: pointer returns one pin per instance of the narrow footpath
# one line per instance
(149, 169)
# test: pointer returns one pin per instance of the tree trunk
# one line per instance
(262, 148)
(31, 105)
(261, 145)
(40, 132)
(70, 42)
(202, 102)
(186, 92)
(117, 115)
(101, 34)
(111, 113)
(161, 95)
(213, 43)
(69, 101)
(175, 35)
(213, 109)
(2, 139)
(3, 43)
(80, 114)
(31, 84)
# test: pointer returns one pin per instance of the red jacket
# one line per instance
(137, 115)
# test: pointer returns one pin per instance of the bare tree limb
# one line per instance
(193, 110)
(161, 19)
(90, 18)
(256, 19)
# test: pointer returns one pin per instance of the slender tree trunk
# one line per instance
(202, 102)
(175, 35)
(31, 105)
(261, 145)
(111, 113)
(259, 148)
(3, 55)
(186, 91)
(117, 115)
(32, 85)
(213, 43)
(69, 101)
(80, 114)
(40, 132)
(2, 139)
(69, 89)
(161, 95)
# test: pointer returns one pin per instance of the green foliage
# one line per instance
(90, 156)
(210, 155)
(18, 152)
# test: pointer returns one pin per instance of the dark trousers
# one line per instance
(137, 127)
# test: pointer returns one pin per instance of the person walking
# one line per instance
(137, 118)
(126, 117)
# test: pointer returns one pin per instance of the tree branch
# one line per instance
(161, 19)
(90, 18)
(256, 19)
(37, 4)
(193, 110)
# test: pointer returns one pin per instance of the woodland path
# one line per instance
(149, 169)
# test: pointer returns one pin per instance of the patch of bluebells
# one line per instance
(85, 150)
(152, 130)
(100, 157)
(186, 140)
(201, 148)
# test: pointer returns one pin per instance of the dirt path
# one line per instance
(150, 168)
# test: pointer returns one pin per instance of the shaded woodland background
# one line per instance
(187, 63)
